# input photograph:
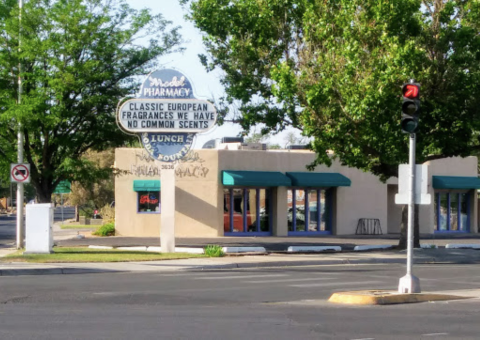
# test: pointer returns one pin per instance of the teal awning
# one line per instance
(318, 179)
(455, 182)
(146, 185)
(255, 178)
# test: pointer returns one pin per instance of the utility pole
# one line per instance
(20, 189)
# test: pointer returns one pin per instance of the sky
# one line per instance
(206, 85)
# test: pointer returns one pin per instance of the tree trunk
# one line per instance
(402, 244)
(76, 213)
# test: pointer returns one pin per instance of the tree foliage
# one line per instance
(334, 69)
(99, 191)
(78, 58)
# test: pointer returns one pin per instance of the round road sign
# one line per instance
(20, 173)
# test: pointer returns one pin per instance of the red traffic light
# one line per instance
(410, 91)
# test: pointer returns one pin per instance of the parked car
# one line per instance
(237, 222)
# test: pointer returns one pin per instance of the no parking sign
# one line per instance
(20, 173)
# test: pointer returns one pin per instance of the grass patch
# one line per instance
(82, 254)
(79, 226)
(105, 230)
(213, 250)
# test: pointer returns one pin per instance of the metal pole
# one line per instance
(409, 283)
(61, 195)
(20, 191)
(411, 204)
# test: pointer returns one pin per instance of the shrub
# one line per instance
(108, 214)
(106, 230)
(213, 250)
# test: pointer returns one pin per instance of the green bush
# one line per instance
(106, 230)
(213, 250)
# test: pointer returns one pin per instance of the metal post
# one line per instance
(20, 191)
(409, 283)
(61, 195)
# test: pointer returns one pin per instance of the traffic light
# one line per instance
(410, 106)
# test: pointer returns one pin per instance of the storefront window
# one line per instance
(463, 212)
(451, 211)
(247, 211)
(148, 201)
(308, 207)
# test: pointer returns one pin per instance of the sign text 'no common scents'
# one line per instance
(167, 115)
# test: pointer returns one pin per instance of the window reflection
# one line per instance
(251, 212)
(248, 208)
(313, 210)
(443, 211)
(264, 210)
(463, 211)
(318, 210)
(454, 212)
(324, 210)
(451, 211)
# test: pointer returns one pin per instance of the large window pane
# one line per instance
(463, 212)
(226, 210)
(324, 210)
(313, 210)
(238, 210)
(300, 209)
(443, 211)
(248, 205)
(264, 210)
(251, 197)
(290, 209)
(454, 212)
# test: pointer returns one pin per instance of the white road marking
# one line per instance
(339, 284)
(434, 334)
(291, 280)
(238, 277)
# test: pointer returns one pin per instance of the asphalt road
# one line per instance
(287, 303)
(8, 223)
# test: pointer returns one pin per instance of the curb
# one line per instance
(379, 297)
(56, 271)
(230, 250)
(372, 247)
(462, 246)
(231, 265)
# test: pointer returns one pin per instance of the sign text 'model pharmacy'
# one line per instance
(167, 115)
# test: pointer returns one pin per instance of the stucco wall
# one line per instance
(197, 204)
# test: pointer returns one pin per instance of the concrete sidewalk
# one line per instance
(425, 256)
(275, 246)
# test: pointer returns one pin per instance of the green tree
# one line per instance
(100, 191)
(334, 69)
(78, 58)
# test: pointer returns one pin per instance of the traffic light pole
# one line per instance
(410, 283)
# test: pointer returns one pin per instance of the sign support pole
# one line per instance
(410, 283)
(20, 189)
(167, 208)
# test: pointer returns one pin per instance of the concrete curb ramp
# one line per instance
(383, 297)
